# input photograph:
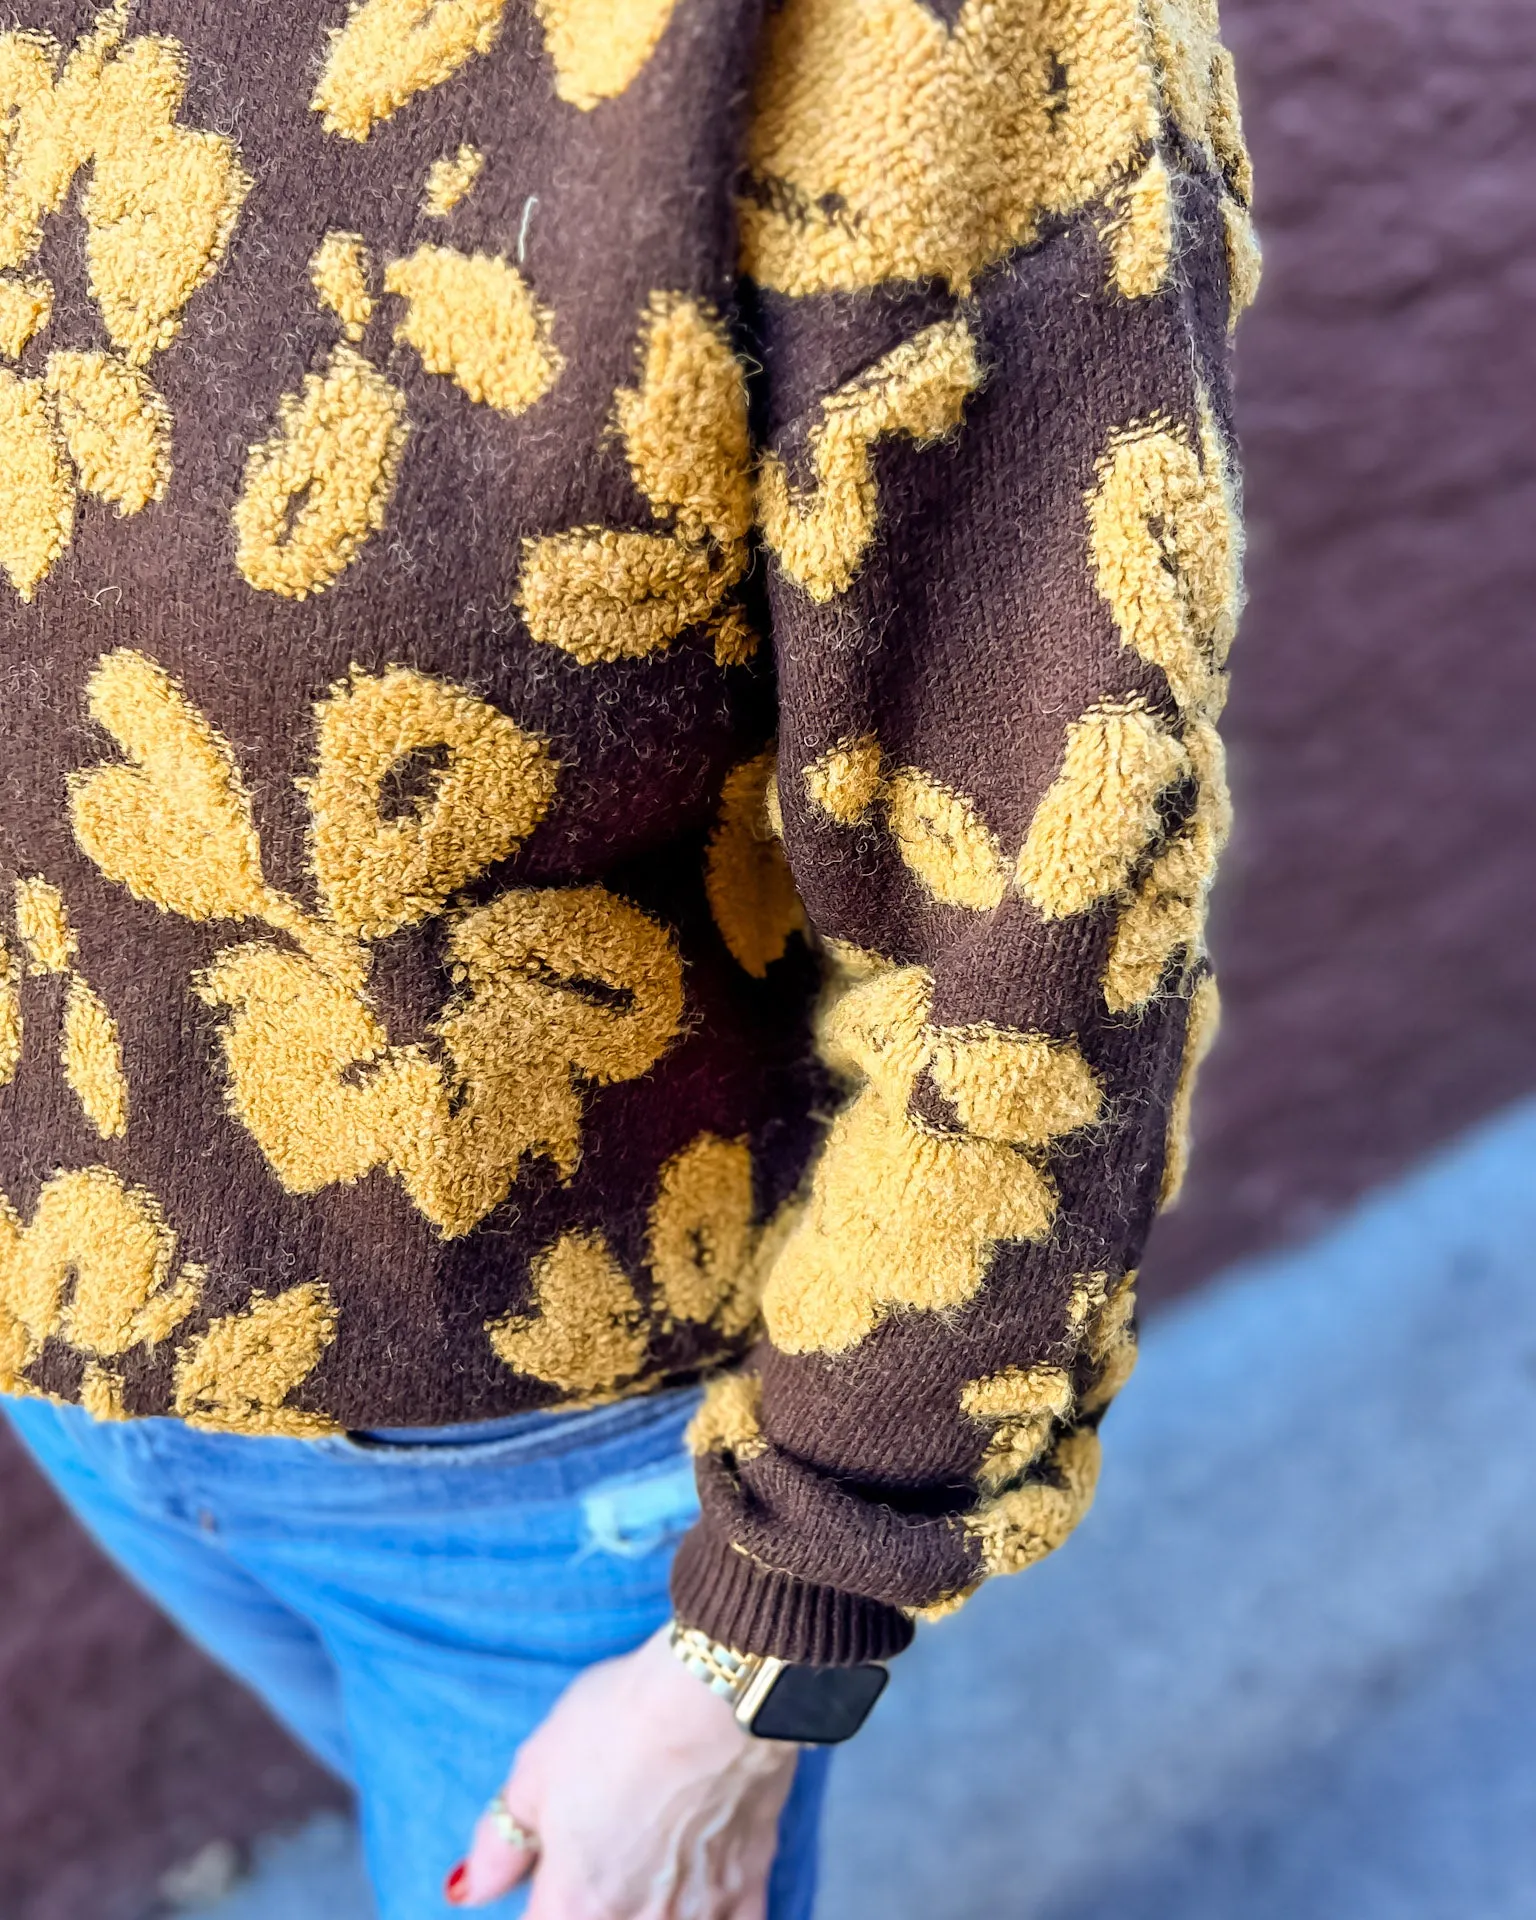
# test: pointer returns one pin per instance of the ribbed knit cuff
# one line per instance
(735, 1601)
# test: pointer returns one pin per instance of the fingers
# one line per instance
(495, 1864)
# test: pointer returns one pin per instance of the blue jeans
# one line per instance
(410, 1611)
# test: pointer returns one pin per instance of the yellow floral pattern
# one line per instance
(887, 144)
(96, 1265)
(319, 486)
(592, 1330)
(240, 1373)
(97, 1271)
(159, 204)
(602, 594)
(747, 881)
(918, 389)
(388, 51)
(902, 1216)
(90, 1050)
(1165, 538)
(419, 789)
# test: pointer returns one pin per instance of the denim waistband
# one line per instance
(465, 1433)
(527, 1436)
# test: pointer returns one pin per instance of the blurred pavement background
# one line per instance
(1205, 1749)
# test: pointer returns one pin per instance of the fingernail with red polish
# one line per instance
(455, 1885)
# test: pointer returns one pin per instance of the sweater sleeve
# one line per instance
(998, 504)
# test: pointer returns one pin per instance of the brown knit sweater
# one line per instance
(612, 618)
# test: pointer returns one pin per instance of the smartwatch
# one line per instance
(779, 1699)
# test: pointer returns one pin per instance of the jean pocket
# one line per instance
(640, 1513)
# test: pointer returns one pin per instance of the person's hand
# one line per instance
(647, 1799)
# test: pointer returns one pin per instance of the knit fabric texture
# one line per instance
(613, 620)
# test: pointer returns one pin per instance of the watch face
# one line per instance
(819, 1705)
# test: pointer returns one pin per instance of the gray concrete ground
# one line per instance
(1286, 1667)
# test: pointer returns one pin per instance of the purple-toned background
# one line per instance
(1376, 928)
(1377, 924)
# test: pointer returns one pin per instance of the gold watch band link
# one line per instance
(742, 1678)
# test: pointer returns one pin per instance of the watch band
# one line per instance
(775, 1699)
(724, 1670)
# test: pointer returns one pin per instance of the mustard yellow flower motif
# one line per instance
(239, 1375)
(901, 141)
(1165, 537)
(318, 488)
(822, 533)
(95, 1267)
(97, 1270)
(591, 1331)
(604, 593)
(904, 1217)
(90, 1049)
(747, 881)
(419, 788)
(91, 424)
(159, 203)
(389, 51)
